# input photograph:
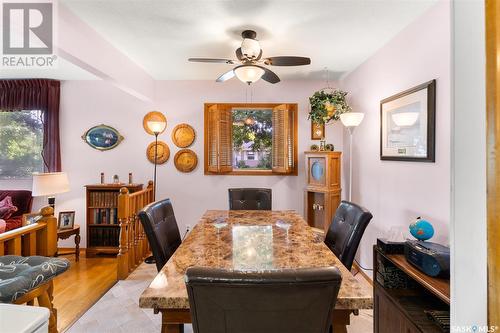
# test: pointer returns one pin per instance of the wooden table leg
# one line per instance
(340, 320)
(77, 246)
(172, 320)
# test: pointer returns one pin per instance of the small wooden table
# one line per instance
(208, 246)
(66, 233)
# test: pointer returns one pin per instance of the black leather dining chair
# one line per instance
(284, 301)
(250, 199)
(346, 230)
(161, 230)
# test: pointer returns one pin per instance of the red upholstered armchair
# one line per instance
(22, 200)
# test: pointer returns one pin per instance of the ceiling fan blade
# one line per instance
(212, 60)
(269, 76)
(226, 76)
(287, 61)
(239, 54)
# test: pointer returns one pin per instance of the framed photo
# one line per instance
(408, 125)
(317, 131)
(30, 218)
(66, 220)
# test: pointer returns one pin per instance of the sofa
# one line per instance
(23, 200)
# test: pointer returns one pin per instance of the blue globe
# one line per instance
(422, 230)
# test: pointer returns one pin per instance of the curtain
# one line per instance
(37, 94)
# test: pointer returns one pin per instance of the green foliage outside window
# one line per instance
(252, 130)
(21, 141)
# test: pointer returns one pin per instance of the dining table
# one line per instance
(249, 241)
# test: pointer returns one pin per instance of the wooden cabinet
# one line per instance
(402, 294)
(323, 190)
(103, 229)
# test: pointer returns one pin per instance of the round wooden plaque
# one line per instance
(153, 116)
(183, 135)
(185, 160)
(163, 153)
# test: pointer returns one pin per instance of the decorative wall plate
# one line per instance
(163, 153)
(152, 116)
(185, 160)
(183, 135)
(102, 137)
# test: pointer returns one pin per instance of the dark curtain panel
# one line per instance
(37, 94)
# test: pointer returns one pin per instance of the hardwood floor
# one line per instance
(81, 286)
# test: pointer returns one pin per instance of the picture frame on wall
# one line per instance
(408, 125)
(66, 220)
(317, 131)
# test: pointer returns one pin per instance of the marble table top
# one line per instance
(250, 240)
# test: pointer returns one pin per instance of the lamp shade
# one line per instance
(352, 119)
(248, 73)
(156, 126)
(46, 184)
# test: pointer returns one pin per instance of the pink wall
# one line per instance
(397, 192)
(87, 103)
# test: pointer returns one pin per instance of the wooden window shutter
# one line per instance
(282, 159)
(225, 127)
(212, 138)
(218, 145)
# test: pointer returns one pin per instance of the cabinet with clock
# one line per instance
(323, 190)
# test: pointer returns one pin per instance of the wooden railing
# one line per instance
(39, 238)
(133, 246)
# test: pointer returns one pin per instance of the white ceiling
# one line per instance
(161, 35)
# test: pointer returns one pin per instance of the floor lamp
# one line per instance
(351, 120)
(157, 127)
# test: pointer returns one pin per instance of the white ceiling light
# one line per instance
(250, 48)
(405, 119)
(248, 73)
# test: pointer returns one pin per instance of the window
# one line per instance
(251, 139)
(21, 142)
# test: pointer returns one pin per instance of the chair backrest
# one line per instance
(346, 230)
(161, 229)
(250, 199)
(290, 300)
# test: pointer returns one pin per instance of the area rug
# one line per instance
(118, 310)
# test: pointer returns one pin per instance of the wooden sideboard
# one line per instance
(322, 193)
(402, 294)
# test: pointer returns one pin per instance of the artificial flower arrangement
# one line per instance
(328, 105)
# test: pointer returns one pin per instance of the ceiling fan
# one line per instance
(250, 64)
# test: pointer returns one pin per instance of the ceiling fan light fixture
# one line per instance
(250, 48)
(249, 73)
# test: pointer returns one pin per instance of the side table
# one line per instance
(66, 233)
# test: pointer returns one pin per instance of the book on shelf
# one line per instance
(103, 199)
(105, 216)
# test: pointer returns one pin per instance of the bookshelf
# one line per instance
(103, 228)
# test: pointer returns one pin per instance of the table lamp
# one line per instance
(351, 120)
(50, 184)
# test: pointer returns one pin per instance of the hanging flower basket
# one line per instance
(327, 106)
